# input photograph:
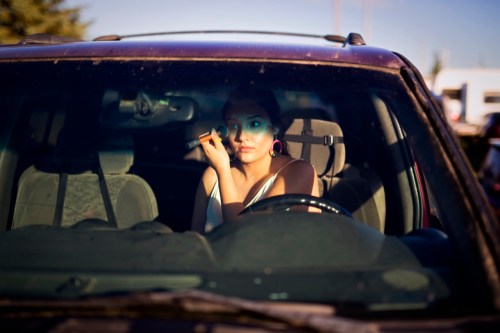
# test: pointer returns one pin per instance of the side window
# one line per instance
(7, 159)
(7, 112)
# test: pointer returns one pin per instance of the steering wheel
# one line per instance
(286, 201)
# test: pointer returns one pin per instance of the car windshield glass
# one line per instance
(101, 185)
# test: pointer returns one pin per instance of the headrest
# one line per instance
(316, 140)
(75, 151)
(116, 152)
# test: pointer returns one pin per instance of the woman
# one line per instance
(261, 166)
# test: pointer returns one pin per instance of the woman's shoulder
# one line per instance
(209, 173)
(297, 176)
(209, 178)
(295, 166)
(299, 163)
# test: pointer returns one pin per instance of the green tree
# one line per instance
(438, 65)
(19, 18)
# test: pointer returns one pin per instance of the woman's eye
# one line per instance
(233, 128)
(255, 124)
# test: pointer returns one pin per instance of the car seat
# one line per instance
(312, 136)
(88, 181)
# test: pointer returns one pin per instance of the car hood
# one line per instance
(195, 311)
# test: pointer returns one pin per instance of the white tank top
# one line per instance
(214, 207)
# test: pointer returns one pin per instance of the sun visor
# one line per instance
(138, 109)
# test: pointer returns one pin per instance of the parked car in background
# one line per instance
(98, 186)
(476, 145)
(489, 174)
(491, 127)
(488, 152)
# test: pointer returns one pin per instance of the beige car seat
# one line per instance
(312, 137)
(88, 184)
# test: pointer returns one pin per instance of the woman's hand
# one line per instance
(216, 153)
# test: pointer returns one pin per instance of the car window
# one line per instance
(78, 102)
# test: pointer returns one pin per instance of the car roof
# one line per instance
(333, 49)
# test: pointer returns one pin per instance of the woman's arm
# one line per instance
(205, 185)
(217, 156)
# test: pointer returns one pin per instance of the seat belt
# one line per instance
(306, 147)
(61, 193)
(108, 206)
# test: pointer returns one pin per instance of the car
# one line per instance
(482, 151)
(491, 127)
(98, 174)
(489, 174)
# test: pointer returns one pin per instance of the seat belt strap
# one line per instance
(326, 140)
(108, 206)
(61, 193)
(306, 147)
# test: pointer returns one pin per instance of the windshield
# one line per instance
(98, 186)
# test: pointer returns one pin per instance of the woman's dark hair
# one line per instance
(266, 100)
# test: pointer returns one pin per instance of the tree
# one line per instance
(19, 18)
(438, 65)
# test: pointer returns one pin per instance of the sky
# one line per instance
(462, 33)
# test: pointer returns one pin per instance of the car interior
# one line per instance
(116, 151)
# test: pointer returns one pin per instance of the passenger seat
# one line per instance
(88, 182)
(313, 137)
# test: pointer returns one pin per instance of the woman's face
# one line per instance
(250, 132)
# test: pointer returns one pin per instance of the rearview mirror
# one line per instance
(136, 109)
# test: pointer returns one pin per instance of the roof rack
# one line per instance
(352, 39)
(44, 38)
(355, 39)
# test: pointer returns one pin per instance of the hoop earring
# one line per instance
(276, 152)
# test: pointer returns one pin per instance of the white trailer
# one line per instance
(468, 95)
